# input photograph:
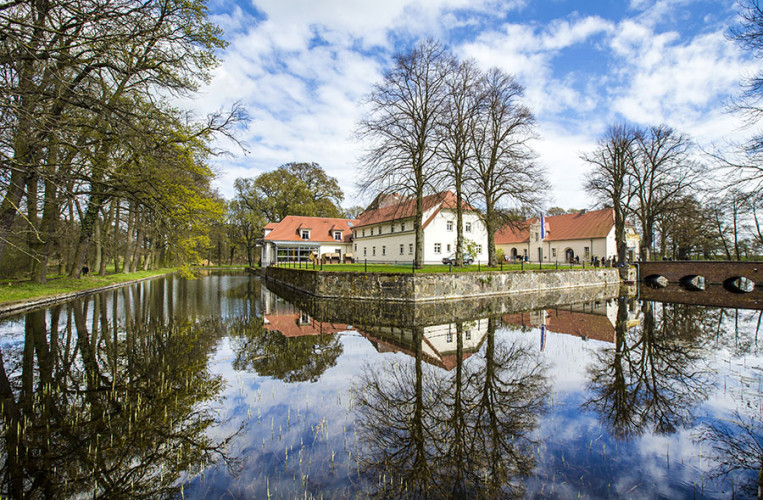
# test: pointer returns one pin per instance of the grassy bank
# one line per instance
(406, 269)
(26, 290)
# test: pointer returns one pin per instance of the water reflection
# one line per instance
(95, 406)
(144, 391)
(463, 434)
(654, 376)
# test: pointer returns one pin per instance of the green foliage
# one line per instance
(292, 189)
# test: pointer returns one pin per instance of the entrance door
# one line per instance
(569, 255)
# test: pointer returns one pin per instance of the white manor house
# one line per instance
(383, 233)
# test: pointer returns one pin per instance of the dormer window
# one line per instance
(338, 235)
(305, 234)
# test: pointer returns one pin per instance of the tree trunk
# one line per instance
(98, 237)
(459, 224)
(138, 246)
(418, 222)
(34, 240)
(107, 221)
(47, 230)
(129, 238)
(115, 235)
(95, 201)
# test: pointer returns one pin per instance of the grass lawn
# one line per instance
(25, 290)
(435, 268)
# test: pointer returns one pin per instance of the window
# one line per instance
(437, 248)
(410, 248)
(372, 231)
(402, 249)
(468, 335)
(586, 251)
(373, 251)
(448, 247)
(384, 250)
(305, 234)
(449, 225)
(379, 230)
(364, 232)
(479, 249)
(365, 251)
(553, 252)
(338, 235)
(402, 226)
(392, 228)
(356, 247)
(535, 235)
(468, 227)
(449, 336)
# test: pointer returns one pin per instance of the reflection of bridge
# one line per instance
(715, 272)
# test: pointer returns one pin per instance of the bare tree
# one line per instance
(401, 129)
(663, 173)
(611, 181)
(504, 169)
(455, 131)
(746, 166)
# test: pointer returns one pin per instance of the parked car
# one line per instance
(451, 259)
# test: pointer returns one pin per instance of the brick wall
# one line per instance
(716, 272)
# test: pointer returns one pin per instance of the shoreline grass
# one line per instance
(26, 290)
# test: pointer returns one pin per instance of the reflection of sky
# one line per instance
(299, 437)
(579, 457)
(576, 456)
(291, 429)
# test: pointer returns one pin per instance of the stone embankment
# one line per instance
(425, 287)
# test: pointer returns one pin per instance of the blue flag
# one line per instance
(542, 227)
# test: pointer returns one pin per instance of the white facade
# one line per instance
(585, 249)
(395, 241)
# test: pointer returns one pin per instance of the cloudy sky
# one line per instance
(302, 67)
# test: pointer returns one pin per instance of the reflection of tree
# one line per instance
(737, 448)
(291, 359)
(653, 377)
(94, 410)
(429, 433)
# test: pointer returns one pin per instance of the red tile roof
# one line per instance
(579, 324)
(321, 229)
(592, 224)
(406, 208)
(288, 325)
(271, 225)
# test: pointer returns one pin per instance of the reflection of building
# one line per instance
(290, 321)
(438, 343)
(590, 320)
(582, 235)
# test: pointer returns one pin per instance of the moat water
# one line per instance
(220, 387)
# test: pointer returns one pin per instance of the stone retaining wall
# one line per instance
(424, 287)
(411, 314)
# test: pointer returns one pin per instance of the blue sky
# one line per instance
(302, 67)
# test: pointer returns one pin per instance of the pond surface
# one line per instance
(222, 388)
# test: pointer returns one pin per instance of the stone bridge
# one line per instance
(715, 272)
